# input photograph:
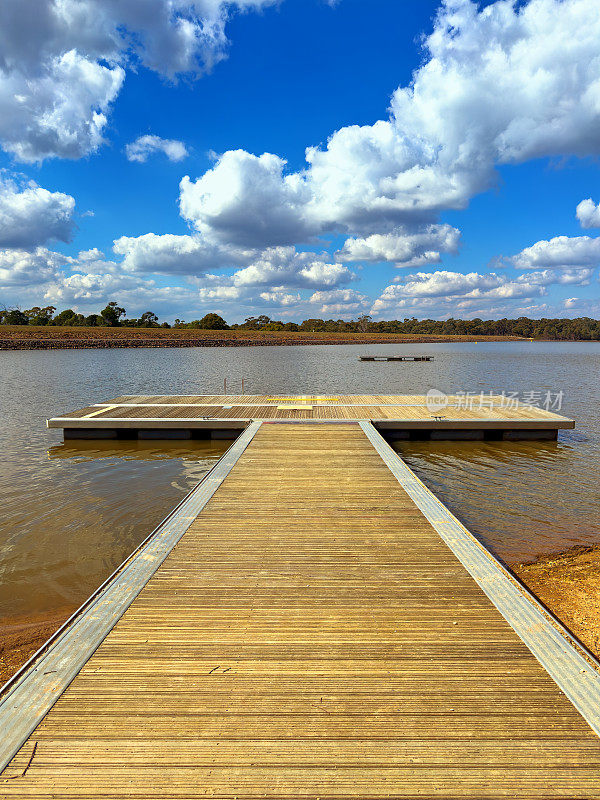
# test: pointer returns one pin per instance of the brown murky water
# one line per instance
(71, 513)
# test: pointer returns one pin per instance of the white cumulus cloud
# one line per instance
(246, 200)
(86, 282)
(284, 266)
(175, 254)
(276, 277)
(60, 110)
(498, 86)
(561, 252)
(62, 62)
(588, 213)
(206, 293)
(442, 288)
(340, 301)
(546, 277)
(442, 282)
(281, 298)
(31, 216)
(22, 268)
(145, 146)
(404, 248)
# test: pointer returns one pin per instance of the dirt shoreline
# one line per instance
(567, 583)
(21, 636)
(18, 337)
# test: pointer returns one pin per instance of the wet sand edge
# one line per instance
(568, 583)
(21, 636)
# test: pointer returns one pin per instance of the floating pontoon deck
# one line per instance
(401, 416)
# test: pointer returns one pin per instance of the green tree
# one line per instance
(66, 317)
(13, 316)
(212, 322)
(112, 314)
(40, 316)
(312, 325)
(148, 320)
(255, 323)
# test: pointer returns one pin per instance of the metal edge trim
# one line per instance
(545, 637)
(95, 421)
(31, 693)
(123, 423)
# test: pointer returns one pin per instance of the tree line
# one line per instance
(114, 315)
(582, 328)
(110, 317)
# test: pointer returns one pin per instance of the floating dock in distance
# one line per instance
(395, 358)
(225, 416)
(310, 622)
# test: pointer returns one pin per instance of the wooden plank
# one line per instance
(310, 635)
(403, 412)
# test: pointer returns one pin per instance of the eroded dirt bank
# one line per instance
(25, 337)
(569, 585)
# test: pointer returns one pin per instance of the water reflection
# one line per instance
(134, 449)
(90, 505)
(523, 499)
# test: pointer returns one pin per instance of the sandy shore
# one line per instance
(569, 585)
(21, 636)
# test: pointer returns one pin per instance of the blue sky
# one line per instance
(454, 167)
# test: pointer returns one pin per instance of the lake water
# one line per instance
(72, 512)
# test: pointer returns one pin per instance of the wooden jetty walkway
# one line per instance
(311, 622)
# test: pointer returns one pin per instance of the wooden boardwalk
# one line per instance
(310, 636)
